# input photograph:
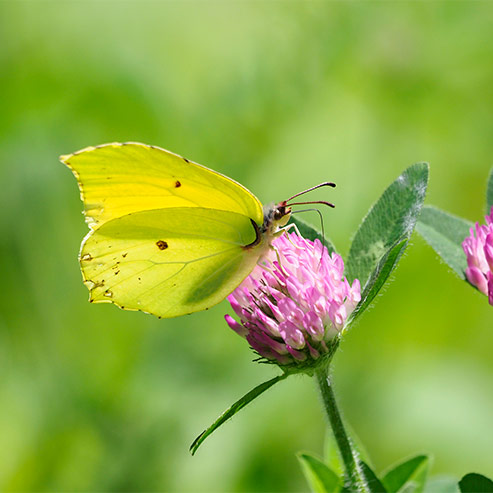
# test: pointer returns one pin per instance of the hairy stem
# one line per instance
(353, 470)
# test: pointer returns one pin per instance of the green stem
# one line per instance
(352, 466)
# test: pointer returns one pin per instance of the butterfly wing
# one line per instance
(169, 261)
(119, 179)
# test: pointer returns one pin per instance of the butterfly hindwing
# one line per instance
(169, 261)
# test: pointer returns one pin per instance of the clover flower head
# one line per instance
(479, 252)
(294, 302)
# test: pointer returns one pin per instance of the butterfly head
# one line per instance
(275, 217)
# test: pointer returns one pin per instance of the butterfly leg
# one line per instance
(278, 256)
(297, 231)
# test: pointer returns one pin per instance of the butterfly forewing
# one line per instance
(119, 179)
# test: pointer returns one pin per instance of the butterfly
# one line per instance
(167, 236)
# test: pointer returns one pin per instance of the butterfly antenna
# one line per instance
(330, 204)
(324, 184)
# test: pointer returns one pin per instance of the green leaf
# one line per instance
(391, 219)
(442, 484)
(319, 476)
(475, 483)
(409, 476)
(378, 277)
(372, 481)
(489, 193)
(237, 406)
(310, 233)
(445, 234)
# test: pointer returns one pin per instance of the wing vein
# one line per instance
(153, 263)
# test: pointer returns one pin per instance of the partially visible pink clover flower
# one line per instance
(294, 302)
(479, 252)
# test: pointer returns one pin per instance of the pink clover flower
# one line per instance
(478, 248)
(295, 301)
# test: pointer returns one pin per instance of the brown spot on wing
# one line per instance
(162, 245)
(177, 184)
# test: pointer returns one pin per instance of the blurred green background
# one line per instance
(280, 96)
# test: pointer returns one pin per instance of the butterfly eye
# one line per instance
(279, 212)
(282, 213)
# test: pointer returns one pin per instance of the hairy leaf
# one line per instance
(378, 277)
(391, 219)
(445, 234)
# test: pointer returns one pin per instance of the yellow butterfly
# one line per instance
(167, 236)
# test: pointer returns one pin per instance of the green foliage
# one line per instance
(374, 484)
(445, 234)
(475, 483)
(234, 408)
(384, 234)
(489, 193)
(408, 476)
(378, 277)
(389, 221)
(322, 479)
(319, 476)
